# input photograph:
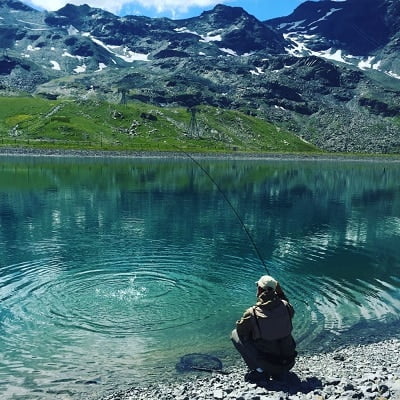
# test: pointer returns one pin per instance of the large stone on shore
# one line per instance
(218, 394)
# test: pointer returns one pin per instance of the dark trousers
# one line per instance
(256, 359)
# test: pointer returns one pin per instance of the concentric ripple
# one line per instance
(110, 299)
(114, 313)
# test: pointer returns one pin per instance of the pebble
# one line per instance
(372, 374)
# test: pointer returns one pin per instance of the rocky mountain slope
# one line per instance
(364, 33)
(330, 72)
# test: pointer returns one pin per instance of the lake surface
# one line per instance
(111, 269)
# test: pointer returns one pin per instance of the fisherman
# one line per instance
(263, 336)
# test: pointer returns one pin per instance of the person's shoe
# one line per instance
(255, 376)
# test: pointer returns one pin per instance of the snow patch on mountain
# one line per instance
(185, 30)
(122, 52)
(31, 48)
(333, 55)
(299, 48)
(325, 17)
(130, 56)
(211, 37)
(291, 25)
(72, 30)
(368, 64)
(299, 25)
(229, 51)
(55, 65)
(37, 29)
(101, 67)
(257, 72)
(392, 74)
(66, 54)
(80, 69)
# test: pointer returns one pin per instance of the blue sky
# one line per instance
(262, 9)
(178, 9)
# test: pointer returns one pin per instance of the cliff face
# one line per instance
(330, 72)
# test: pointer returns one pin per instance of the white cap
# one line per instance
(267, 281)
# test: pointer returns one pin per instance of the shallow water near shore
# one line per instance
(111, 269)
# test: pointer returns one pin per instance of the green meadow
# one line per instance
(36, 122)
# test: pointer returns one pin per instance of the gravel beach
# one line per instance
(34, 152)
(369, 371)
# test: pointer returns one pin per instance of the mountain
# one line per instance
(329, 72)
(365, 33)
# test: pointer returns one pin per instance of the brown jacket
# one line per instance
(269, 325)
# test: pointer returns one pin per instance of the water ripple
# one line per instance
(119, 270)
(116, 297)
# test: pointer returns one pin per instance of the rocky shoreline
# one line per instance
(33, 152)
(366, 371)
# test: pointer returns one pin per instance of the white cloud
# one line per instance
(115, 6)
(180, 6)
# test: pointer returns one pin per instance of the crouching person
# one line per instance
(263, 336)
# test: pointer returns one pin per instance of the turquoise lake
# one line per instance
(113, 268)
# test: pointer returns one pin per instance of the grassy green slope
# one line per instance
(36, 122)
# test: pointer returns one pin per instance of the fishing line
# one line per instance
(240, 219)
(234, 211)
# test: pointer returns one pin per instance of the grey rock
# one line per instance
(348, 386)
(219, 394)
(333, 381)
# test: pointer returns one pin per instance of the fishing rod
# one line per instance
(240, 219)
(234, 211)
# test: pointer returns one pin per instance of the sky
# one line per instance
(176, 9)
